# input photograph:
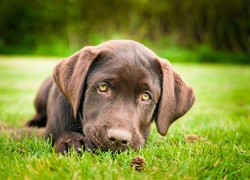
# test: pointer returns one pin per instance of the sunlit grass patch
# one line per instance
(219, 124)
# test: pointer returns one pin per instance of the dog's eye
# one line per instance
(145, 96)
(103, 88)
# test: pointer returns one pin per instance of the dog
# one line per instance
(106, 97)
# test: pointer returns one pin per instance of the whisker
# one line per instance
(75, 127)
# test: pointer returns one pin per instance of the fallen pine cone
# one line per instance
(138, 162)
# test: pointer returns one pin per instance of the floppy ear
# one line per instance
(176, 98)
(70, 75)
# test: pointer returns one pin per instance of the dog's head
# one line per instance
(119, 88)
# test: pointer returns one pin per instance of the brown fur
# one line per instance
(78, 114)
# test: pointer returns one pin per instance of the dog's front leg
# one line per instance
(70, 139)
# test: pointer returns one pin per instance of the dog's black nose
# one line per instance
(119, 138)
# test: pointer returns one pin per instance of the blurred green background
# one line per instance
(179, 30)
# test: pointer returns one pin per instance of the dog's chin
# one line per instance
(93, 145)
(90, 145)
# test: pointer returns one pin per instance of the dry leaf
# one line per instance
(193, 138)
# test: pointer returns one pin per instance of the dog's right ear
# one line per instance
(176, 99)
(70, 75)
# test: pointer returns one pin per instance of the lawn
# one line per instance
(219, 121)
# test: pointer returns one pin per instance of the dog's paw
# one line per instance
(69, 140)
(64, 146)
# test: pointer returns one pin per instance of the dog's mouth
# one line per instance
(96, 141)
(89, 145)
(92, 142)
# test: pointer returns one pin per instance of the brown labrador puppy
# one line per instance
(106, 97)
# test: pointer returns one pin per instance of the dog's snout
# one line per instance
(119, 137)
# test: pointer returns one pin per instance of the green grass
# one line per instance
(220, 116)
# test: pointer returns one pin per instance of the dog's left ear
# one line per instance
(70, 75)
(176, 99)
